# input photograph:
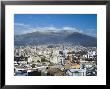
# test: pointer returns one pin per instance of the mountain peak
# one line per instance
(55, 36)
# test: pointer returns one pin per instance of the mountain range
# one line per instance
(55, 37)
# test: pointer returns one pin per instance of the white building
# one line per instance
(76, 72)
(34, 58)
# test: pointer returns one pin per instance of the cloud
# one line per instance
(68, 28)
(91, 32)
(19, 24)
(72, 29)
(23, 29)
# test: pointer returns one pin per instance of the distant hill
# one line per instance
(55, 37)
(81, 39)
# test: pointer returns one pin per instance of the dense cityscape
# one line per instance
(55, 60)
(55, 44)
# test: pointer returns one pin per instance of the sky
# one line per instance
(27, 23)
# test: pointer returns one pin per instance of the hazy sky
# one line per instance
(85, 23)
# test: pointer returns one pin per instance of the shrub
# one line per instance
(33, 65)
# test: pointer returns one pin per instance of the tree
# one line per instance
(33, 65)
(38, 61)
(42, 59)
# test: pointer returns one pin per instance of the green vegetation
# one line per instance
(43, 59)
(33, 65)
(38, 61)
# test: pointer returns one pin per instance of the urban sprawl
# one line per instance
(55, 60)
